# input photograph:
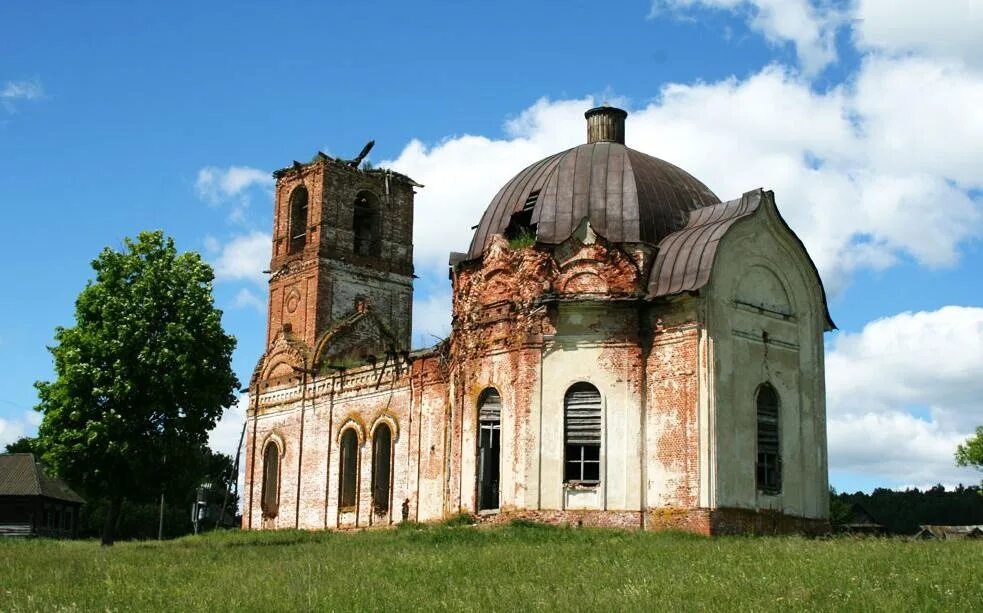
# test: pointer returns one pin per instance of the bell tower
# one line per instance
(342, 254)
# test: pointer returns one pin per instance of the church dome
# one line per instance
(628, 196)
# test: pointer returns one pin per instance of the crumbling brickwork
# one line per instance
(649, 396)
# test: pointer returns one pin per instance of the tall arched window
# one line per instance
(489, 449)
(365, 225)
(582, 434)
(348, 481)
(382, 462)
(270, 498)
(298, 218)
(768, 470)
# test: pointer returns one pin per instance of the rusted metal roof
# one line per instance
(21, 475)
(685, 258)
(628, 196)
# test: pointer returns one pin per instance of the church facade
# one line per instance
(626, 350)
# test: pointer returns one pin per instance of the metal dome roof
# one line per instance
(627, 196)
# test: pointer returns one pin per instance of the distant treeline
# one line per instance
(901, 512)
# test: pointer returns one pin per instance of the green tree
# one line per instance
(141, 378)
(971, 452)
(24, 444)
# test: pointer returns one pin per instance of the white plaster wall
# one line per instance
(583, 350)
(762, 282)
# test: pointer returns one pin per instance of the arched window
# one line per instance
(365, 225)
(348, 481)
(298, 219)
(769, 465)
(382, 462)
(582, 434)
(489, 449)
(270, 501)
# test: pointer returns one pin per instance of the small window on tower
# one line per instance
(298, 219)
(365, 225)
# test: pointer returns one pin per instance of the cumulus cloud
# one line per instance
(13, 428)
(810, 28)
(216, 185)
(903, 392)
(863, 172)
(949, 29)
(244, 257)
(431, 317)
(247, 299)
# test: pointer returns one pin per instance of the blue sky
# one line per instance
(864, 117)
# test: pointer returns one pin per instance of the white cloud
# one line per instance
(811, 28)
(247, 299)
(431, 317)
(245, 257)
(13, 91)
(927, 363)
(217, 185)
(946, 28)
(14, 428)
(863, 172)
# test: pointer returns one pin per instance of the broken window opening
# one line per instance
(270, 497)
(489, 446)
(582, 434)
(768, 469)
(365, 225)
(348, 481)
(381, 468)
(298, 219)
(521, 231)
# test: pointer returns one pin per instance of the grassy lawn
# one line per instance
(515, 567)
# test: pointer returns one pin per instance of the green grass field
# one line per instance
(516, 567)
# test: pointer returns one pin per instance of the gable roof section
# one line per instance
(685, 258)
(22, 475)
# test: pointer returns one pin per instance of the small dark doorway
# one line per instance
(489, 445)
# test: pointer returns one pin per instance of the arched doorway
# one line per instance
(489, 449)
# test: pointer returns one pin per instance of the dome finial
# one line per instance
(606, 124)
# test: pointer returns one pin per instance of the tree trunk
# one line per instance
(112, 520)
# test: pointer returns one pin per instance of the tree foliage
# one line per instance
(24, 444)
(971, 452)
(902, 512)
(141, 378)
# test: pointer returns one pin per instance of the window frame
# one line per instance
(588, 455)
(345, 479)
(384, 508)
(768, 463)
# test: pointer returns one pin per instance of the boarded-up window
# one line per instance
(298, 219)
(348, 483)
(769, 464)
(381, 467)
(271, 480)
(582, 434)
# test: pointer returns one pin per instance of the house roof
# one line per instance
(22, 475)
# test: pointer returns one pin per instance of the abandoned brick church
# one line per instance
(626, 350)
